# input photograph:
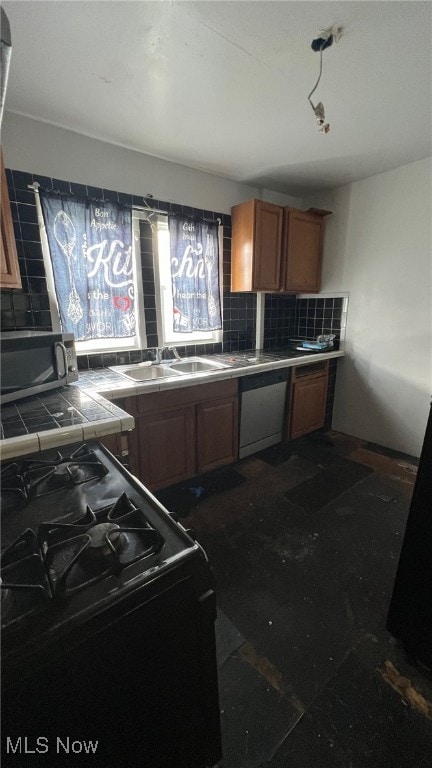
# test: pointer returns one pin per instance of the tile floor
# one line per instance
(304, 541)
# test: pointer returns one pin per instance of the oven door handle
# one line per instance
(61, 360)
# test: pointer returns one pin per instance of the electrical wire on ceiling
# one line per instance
(326, 38)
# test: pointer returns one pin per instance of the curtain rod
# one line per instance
(145, 208)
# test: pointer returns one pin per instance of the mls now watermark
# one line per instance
(41, 745)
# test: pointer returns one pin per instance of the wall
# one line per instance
(378, 247)
(55, 152)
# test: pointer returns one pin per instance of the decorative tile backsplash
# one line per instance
(28, 309)
(316, 316)
(279, 319)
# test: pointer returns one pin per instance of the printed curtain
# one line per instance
(194, 249)
(91, 253)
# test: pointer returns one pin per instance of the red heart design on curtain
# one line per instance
(122, 302)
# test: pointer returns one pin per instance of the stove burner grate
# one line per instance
(32, 478)
(101, 543)
(12, 481)
(24, 583)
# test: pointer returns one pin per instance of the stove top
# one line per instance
(30, 478)
(78, 530)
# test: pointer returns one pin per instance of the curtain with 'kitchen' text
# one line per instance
(194, 251)
(90, 246)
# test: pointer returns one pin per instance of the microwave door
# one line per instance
(61, 360)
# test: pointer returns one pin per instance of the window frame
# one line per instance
(163, 292)
(98, 346)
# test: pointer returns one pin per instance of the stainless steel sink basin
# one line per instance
(196, 365)
(144, 373)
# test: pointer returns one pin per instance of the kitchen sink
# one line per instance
(144, 373)
(196, 365)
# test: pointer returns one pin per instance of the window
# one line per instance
(93, 270)
(164, 291)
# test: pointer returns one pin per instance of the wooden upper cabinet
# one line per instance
(9, 269)
(276, 249)
(303, 236)
(256, 246)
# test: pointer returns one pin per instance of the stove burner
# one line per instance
(100, 544)
(32, 478)
(105, 539)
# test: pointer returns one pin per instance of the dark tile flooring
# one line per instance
(304, 541)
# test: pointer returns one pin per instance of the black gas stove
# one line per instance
(75, 521)
(102, 586)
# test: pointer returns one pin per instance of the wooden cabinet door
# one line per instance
(256, 246)
(308, 404)
(163, 447)
(267, 246)
(303, 251)
(217, 434)
(9, 269)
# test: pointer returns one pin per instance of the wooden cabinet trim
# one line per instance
(242, 245)
(9, 270)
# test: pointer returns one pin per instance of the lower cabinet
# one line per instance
(166, 447)
(217, 434)
(182, 432)
(308, 397)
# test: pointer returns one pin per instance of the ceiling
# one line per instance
(222, 86)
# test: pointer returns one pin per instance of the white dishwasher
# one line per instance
(262, 410)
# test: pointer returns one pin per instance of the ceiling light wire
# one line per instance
(326, 39)
(317, 82)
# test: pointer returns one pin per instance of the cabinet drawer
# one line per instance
(311, 370)
(173, 398)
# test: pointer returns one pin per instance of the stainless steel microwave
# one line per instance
(33, 362)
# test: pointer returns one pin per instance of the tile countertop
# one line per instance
(83, 411)
(65, 415)
(114, 385)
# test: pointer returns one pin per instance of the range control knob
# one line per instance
(71, 368)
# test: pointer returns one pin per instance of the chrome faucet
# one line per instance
(161, 350)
